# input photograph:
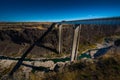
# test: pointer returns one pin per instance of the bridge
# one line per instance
(77, 28)
(76, 36)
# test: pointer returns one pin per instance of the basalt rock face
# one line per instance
(19, 37)
(14, 42)
(92, 33)
(18, 41)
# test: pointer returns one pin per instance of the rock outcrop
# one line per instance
(15, 41)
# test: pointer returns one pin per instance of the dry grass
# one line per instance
(106, 68)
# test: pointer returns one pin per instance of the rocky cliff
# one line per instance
(13, 42)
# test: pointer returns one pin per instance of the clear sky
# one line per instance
(57, 10)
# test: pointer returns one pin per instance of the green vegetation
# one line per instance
(85, 47)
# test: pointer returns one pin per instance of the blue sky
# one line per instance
(56, 10)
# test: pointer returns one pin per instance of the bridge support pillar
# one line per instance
(75, 45)
(60, 39)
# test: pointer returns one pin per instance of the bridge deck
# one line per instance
(102, 21)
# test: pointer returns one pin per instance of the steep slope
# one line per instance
(14, 42)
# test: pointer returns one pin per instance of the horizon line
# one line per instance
(52, 21)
